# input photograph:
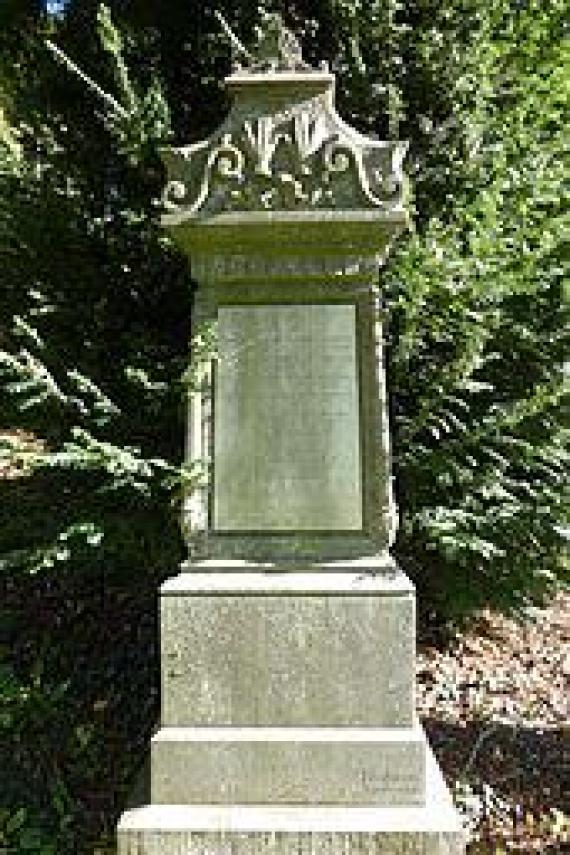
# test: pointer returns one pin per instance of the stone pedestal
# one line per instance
(288, 640)
(268, 691)
(288, 721)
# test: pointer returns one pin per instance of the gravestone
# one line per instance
(288, 639)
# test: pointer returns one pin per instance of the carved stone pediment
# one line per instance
(283, 147)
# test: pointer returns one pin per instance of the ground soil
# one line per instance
(495, 704)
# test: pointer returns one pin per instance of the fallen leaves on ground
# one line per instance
(495, 706)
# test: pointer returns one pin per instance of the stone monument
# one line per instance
(288, 639)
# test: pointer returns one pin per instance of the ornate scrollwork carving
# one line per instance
(275, 163)
(262, 136)
(282, 147)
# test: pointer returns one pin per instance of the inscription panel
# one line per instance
(286, 439)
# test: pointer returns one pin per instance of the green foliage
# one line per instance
(481, 325)
(94, 336)
(146, 120)
(93, 341)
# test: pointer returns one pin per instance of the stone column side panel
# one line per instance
(287, 649)
(342, 766)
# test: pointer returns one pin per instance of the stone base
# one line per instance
(288, 765)
(433, 829)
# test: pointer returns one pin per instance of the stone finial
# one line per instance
(277, 48)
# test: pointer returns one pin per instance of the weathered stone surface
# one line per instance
(287, 439)
(433, 829)
(287, 648)
(260, 765)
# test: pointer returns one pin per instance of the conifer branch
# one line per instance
(232, 36)
(89, 82)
